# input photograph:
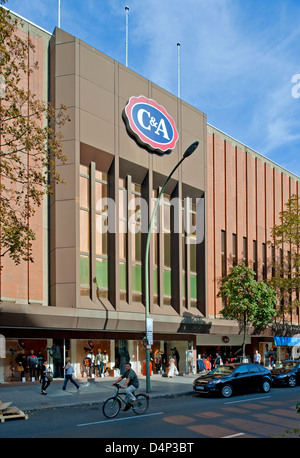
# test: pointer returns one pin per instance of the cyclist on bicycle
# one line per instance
(130, 385)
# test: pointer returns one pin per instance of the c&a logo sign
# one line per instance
(150, 124)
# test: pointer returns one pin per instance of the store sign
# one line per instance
(286, 341)
(150, 124)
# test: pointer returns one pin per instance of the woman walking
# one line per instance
(68, 374)
(45, 377)
(172, 367)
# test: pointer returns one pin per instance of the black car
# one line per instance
(286, 373)
(233, 378)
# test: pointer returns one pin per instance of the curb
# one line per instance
(85, 403)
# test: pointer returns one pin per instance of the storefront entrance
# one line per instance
(92, 358)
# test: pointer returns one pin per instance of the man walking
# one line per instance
(257, 357)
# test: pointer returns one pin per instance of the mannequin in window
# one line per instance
(32, 362)
(86, 365)
(92, 364)
(57, 359)
(99, 362)
(105, 360)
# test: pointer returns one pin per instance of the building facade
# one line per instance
(85, 291)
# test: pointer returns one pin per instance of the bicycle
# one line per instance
(112, 405)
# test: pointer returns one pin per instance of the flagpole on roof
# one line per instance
(178, 70)
(126, 9)
(59, 13)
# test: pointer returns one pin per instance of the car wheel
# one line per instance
(292, 381)
(227, 391)
(266, 386)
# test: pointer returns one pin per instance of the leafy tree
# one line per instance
(29, 144)
(246, 300)
(285, 245)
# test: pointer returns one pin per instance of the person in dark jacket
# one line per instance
(45, 377)
(41, 360)
(175, 354)
(32, 363)
(21, 360)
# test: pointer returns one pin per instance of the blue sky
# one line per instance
(239, 59)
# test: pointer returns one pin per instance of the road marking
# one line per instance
(119, 419)
(246, 400)
(233, 435)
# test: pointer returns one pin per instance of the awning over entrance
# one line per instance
(286, 341)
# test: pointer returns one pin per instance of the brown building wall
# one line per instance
(27, 282)
(95, 89)
(245, 194)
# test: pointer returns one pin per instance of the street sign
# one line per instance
(149, 330)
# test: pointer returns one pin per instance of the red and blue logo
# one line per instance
(150, 124)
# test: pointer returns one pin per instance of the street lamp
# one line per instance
(187, 153)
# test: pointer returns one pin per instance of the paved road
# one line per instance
(180, 418)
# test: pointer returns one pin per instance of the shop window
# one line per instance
(223, 253)
(234, 250)
(166, 240)
(189, 252)
(264, 261)
(84, 231)
(154, 236)
(254, 256)
(123, 238)
(245, 251)
(193, 255)
(94, 358)
(85, 275)
(101, 224)
(135, 233)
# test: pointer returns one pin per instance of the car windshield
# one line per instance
(286, 365)
(223, 370)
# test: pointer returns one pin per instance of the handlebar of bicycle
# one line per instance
(117, 385)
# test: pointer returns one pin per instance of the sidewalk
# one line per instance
(27, 396)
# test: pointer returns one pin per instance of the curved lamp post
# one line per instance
(187, 153)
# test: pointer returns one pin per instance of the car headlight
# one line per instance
(214, 382)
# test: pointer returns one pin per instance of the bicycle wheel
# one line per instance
(111, 407)
(141, 404)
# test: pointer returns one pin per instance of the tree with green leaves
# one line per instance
(29, 144)
(246, 300)
(285, 246)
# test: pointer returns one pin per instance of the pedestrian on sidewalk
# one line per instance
(68, 374)
(172, 368)
(257, 357)
(21, 360)
(46, 377)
